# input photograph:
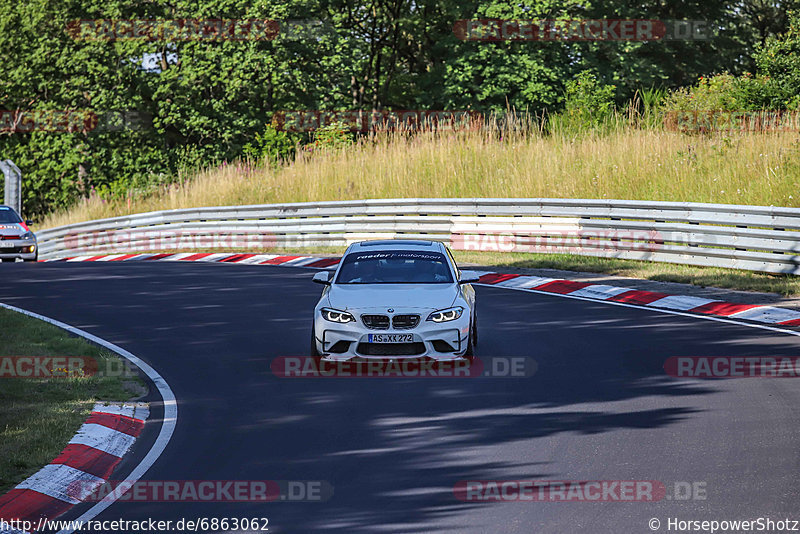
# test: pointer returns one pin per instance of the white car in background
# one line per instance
(395, 299)
(16, 239)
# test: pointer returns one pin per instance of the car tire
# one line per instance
(470, 352)
(313, 351)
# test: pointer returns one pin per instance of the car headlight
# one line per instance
(27, 235)
(443, 316)
(337, 316)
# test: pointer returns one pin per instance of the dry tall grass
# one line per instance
(627, 163)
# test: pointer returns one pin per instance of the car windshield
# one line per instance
(395, 267)
(7, 215)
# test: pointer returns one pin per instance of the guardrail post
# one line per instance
(13, 185)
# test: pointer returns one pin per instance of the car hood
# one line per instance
(423, 296)
(11, 229)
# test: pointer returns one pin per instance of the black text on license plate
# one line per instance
(391, 338)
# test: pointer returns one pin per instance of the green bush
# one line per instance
(588, 107)
(773, 87)
(778, 62)
(722, 92)
(588, 100)
(645, 110)
(332, 137)
(273, 145)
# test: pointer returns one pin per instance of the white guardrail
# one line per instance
(755, 238)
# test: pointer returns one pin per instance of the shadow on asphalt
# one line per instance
(392, 448)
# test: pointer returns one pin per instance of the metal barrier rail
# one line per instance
(756, 238)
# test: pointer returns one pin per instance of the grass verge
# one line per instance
(626, 163)
(38, 416)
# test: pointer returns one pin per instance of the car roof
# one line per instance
(396, 244)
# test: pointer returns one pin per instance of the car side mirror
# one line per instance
(469, 277)
(28, 222)
(322, 277)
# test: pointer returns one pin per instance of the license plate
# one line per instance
(391, 338)
(7, 244)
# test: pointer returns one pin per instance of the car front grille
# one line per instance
(377, 322)
(404, 322)
(12, 250)
(391, 349)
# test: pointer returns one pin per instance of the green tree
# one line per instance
(778, 62)
(206, 100)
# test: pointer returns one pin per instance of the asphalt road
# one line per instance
(598, 408)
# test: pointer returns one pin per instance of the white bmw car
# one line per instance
(395, 299)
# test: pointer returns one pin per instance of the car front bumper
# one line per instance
(18, 249)
(429, 340)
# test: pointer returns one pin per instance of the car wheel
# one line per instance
(314, 352)
(470, 352)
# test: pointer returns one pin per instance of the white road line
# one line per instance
(170, 409)
(596, 292)
(654, 310)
